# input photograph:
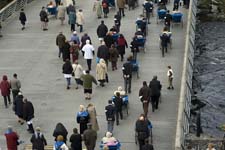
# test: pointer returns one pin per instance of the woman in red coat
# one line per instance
(121, 45)
(11, 139)
(5, 90)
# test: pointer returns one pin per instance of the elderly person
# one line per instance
(11, 139)
(88, 51)
(78, 71)
(38, 140)
(61, 13)
(101, 71)
(80, 19)
(93, 116)
(120, 90)
(59, 144)
(108, 138)
(98, 8)
(5, 90)
(82, 118)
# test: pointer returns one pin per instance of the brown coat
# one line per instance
(121, 3)
(93, 117)
(113, 53)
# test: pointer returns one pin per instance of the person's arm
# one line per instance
(44, 140)
(94, 80)
(126, 43)
(57, 41)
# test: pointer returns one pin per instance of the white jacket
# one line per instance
(80, 18)
(168, 73)
(88, 51)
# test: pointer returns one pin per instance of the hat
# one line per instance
(74, 32)
(38, 129)
(89, 124)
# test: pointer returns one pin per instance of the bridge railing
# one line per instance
(11, 8)
(183, 120)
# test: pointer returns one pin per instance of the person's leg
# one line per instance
(88, 64)
(9, 99)
(129, 85)
(117, 117)
(81, 28)
(125, 85)
(163, 47)
(123, 12)
(153, 103)
(171, 81)
(141, 143)
(156, 102)
(112, 62)
(68, 82)
(145, 107)
(120, 12)
(5, 101)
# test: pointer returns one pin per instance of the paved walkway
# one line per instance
(32, 54)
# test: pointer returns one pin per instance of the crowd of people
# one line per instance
(113, 45)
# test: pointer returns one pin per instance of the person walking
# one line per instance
(44, 19)
(76, 140)
(60, 42)
(67, 70)
(110, 111)
(102, 30)
(142, 130)
(11, 139)
(144, 95)
(84, 38)
(148, 6)
(165, 39)
(28, 114)
(118, 102)
(78, 71)
(170, 78)
(75, 38)
(59, 144)
(74, 51)
(38, 140)
(82, 118)
(61, 13)
(60, 130)
(87, 84)
(22, 18)
(155, 87)
(90, 137)
(93, 116)
(147, 146)
(121, 6)
(89, 52)
(122, 44)
(105, 6)
(98, 8)
(168, 18)
(101, 72)
(103, 52)
(15, 85)
(80, 19)
(70, 8)
(108, 39)
(113, 57)
(5, 90)
(127, 74)
(18, 107)
(117, 21)
(72, 20)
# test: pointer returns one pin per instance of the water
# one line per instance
(209, 75)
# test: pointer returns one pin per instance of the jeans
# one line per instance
(110, 126)
(5, 100)
(164, 49)
(81, 27)
(119, 112)
(60, 52)
(127, 85)
(68, 81)
(89, 63)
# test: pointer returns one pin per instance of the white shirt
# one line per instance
(170, 71)
(88, 51)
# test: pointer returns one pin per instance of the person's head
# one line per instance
(129, 58)
(142, 117)
(102, 61)
(108, 134)
(144, 83)
(82, 108)
(74, 32)
(87, 71)
(117, 94)
(75, 130)
(110, 101)
(25, 100)
(61, 4)
(169, 67)
(102, 22)
(85, 34)
(4, 77)
(80, 10)
(154, 77)
(210, 146)
(60, 138)
(9, 128)
(67, 60)
(38, 129)
(43, 8)
(120, 88)
(121, 36)
(76, 62)
(22, 9)
(90, 105)
(87, 41)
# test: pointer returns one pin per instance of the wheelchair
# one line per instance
(125, 103)
(52, 11)
(111, 146)
(177, 18)
(160, 15)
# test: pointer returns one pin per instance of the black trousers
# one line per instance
(15, 93)
(121, 11)
(155, 102)
(72, 27)
(89, 63)
(119, 113)
(7, 98)
(141, 143)
(127, 85)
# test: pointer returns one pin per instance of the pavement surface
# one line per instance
(32, 54)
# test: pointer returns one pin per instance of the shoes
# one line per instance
(129, 92)
(22, 28)
(168, 88)
(172, 88)
(68, 88)
(76, 88)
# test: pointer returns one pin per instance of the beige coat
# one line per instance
(61, 12)
(121, 3)
(93, 117)
(80, 18)
(101, 70)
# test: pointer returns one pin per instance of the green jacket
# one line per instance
(87, 81)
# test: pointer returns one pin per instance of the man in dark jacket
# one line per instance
(168, 19)
(155, 88)
(147, 146)
(38, 140)
(144, 95)
(18, 107)
(127, 74)
(44, 19)
(102, 30)
(70, 8)
(164, 42)
(84, 38)
(23, 18)
(103, 52)
(76, 140)
(66, 51)
(67, 70)
(110, 115)
(28, 114)
(90, 137)
(118, 101)
(60, 42)
(142, 130)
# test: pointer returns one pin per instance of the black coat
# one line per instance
(103, 52)
(110, 113)
(127, 69)
(108, 40)
(155, 87)
(18, 104)
(84, 39)
(142, 127)
(145, 93)
(147, 147)
(118, 101)
(76, 141)
(28, 111)
(60, 130)
(43, 16)
(66, 51)
(22, 17)
(67, 68)
(102, 30)
(38, 142)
